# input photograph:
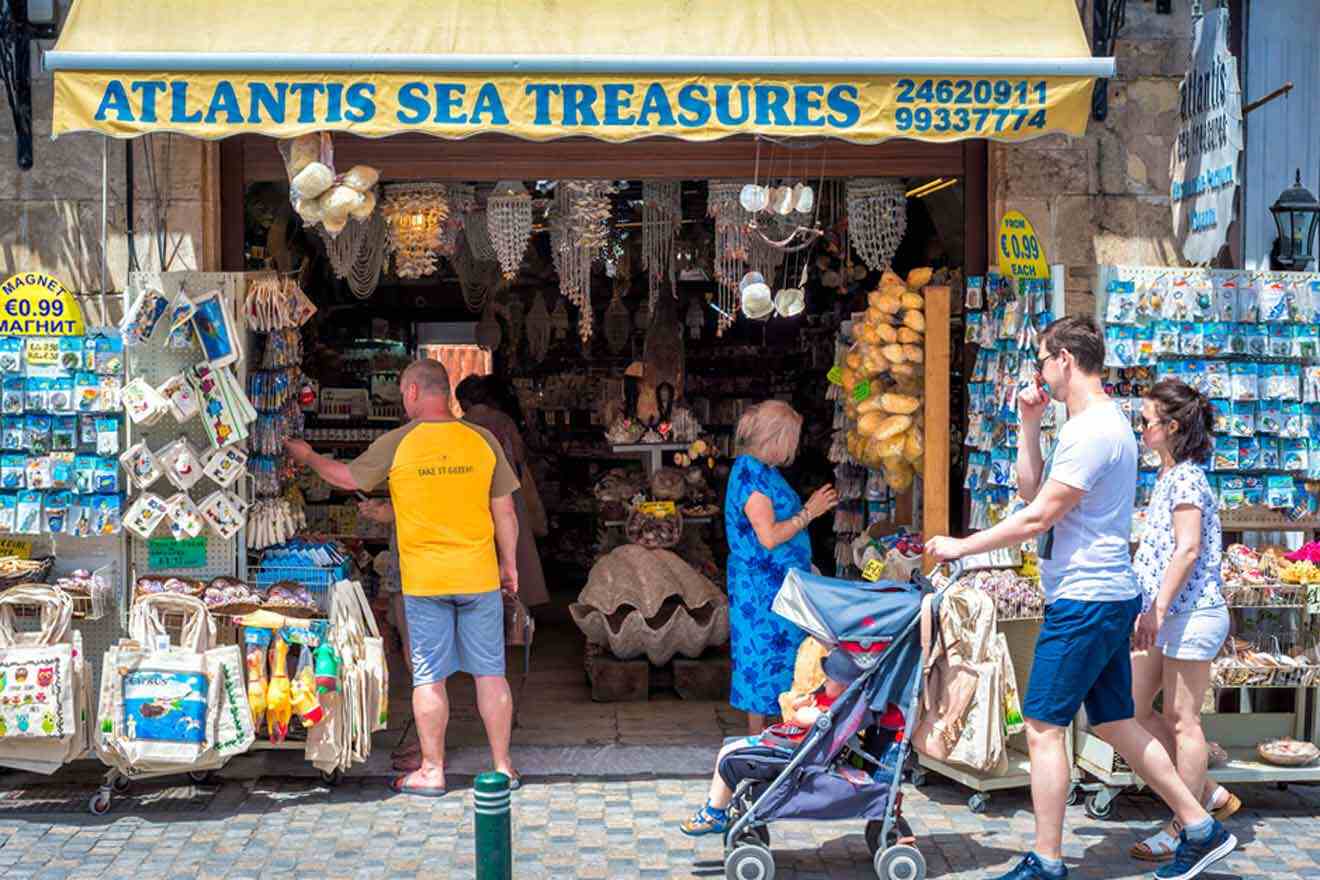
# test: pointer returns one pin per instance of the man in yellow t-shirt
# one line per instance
(452, 493)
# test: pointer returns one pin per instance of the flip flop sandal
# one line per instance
(1159, 847)
(515, 781)
(397, 786)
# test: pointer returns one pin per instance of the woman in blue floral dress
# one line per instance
(766, 524)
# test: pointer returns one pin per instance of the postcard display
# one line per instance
(187, 421)
(1251, 342)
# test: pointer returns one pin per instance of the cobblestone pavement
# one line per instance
(589, 829)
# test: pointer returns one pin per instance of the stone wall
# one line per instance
(50, 216)
(1104, 198)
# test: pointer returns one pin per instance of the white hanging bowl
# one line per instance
(790, 302)
(757, 301)
(804, 199)
(753, 198)
(749, 279)
(781, 201)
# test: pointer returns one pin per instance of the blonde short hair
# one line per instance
(769, 432)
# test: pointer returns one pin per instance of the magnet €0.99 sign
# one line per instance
(37, 304)
(1020, 252)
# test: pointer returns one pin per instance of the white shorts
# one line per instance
(1194, 635)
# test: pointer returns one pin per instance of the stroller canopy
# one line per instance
(835, 610)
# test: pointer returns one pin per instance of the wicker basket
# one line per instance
(235, 609)
(1271, 755)
(290, 609)
(194, 587)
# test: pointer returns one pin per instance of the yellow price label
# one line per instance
(42, 351)
(15, 547)
(873, 570)
(37, 304)
(1020, 252)
(658, 508)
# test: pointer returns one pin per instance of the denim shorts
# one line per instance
(1194, 635)
(1083, 657)
(458, 633)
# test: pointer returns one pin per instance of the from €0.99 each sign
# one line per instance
(37, 304)
(1020, 252)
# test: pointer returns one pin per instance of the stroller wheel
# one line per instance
(758, 835)
(900, 863)
(750, 862)
(900, 830)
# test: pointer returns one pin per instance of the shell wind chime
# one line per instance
(475, 279)
(877, 219)
(357, 254)
(509, 221)
(732, 245)
(662, 211)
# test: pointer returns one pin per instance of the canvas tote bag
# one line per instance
(43, 698)
(961, 708)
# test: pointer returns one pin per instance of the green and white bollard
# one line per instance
(491, 803)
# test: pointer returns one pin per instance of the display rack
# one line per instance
(652, 454)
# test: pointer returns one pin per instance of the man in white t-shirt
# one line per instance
(1079, 510)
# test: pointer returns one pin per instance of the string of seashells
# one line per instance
(662, 210)
(509, 221)
(732, 244)
(877, 219)
(462, 201)
(584, 206)
(319, 195)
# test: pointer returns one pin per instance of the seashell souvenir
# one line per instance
(781, 201)
(749, 279)
(753, 198)
(757, 301)
(804, 199)
(790, 302)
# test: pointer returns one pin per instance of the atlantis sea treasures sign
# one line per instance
(1203, 165)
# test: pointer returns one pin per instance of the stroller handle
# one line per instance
(954, 568)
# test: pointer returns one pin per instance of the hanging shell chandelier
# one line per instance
(877, 219)
(509, 221)
(732, 244)
(416, 215)
(477, 233)
(662, 210)
(476, 280)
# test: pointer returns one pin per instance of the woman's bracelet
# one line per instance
(801, 519)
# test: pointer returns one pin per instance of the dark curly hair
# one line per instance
(1189, 419)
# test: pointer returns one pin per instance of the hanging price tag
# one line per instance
(873, 570)
(42, 351)
(658, 508)
(835, 375)
(861, 391)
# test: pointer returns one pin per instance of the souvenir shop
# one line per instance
(633, 256)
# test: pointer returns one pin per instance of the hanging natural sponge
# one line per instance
(361, 177)
(303, 152)
(312, 181)
(364, 207)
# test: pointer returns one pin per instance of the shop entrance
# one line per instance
(593, 411)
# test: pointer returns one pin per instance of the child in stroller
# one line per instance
(780, 740)
(832, 771)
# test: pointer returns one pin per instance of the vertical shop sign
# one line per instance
(1203, 164)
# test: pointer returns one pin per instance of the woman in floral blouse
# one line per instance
(766, 524)
(1186, 619)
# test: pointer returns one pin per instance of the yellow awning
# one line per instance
(861, 70)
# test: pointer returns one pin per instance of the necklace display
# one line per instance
(357, 255)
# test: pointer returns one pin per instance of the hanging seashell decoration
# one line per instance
(476, 231)
(462, 201)
(475, 279)
(416, 214)
(877, 219)
(662, 211)
(579, 231)
(488, 329)
(618, 324)
(732, 246)
(509, 221)
(357, 254)
(537, 326)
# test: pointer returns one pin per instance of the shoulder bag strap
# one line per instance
(56, 614)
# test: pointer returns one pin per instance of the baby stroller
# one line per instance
(833, 772)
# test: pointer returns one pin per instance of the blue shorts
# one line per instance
(1083, 656)
(448, 634)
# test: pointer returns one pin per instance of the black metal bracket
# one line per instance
(16, 36)
(1107, 18)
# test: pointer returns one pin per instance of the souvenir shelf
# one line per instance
(1269, 321)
